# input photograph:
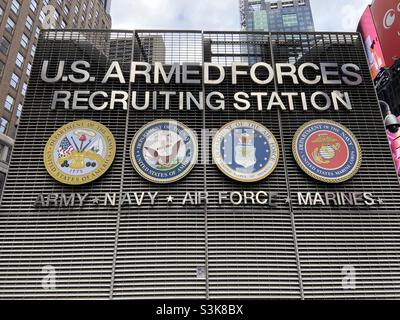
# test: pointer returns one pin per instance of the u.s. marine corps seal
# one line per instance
(327, 151)
(79, 152)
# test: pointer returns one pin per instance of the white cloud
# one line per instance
(338, 15)
(175, 14)
(332, 15)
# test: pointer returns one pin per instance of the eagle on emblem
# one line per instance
(327, 151)
(164, 156)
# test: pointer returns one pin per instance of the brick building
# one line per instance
(20, 24)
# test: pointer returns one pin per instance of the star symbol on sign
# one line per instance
(96, 200)
(287, 200)
(380, 201)
(170, 199)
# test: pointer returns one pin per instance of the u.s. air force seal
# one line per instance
(245, 151)
(327, 151)
(164, 151)
(79, 152)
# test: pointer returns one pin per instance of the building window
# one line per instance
(56, 15)
(37, 33)
(63, 24)
(24, 41)
(28, 70)
(10, 25)
(4, 45)
(2, 181)
(9, 103)
(290, 20)
(20, 60)
(33, 5)
(33, 51)
(14, 81)
(15, 5)
(19, 111)
(24, 88)
(42, 16)
(4, 157)
(66, 10)
(1, 67)
(3, 125)
(29, 23)
(1, 14)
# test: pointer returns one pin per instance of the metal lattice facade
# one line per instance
(288, 251)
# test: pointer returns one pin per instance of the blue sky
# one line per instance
(329, 15)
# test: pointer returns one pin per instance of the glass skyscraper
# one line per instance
(276, 16)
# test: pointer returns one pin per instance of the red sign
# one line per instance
(386, 14)
(371, 41)
(327, 150)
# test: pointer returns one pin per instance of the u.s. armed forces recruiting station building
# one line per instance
(162, 165)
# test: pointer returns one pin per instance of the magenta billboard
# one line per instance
(386, 15)
(372, 43)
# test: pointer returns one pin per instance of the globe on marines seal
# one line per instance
(79, 152)
(327, 151)
(164, 151)
(245, 151)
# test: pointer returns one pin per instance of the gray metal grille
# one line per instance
(335, 237)
(154, 252)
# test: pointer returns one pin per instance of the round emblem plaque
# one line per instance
(79, 152)
(245, 151)
(164, 151)
(327, 151)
